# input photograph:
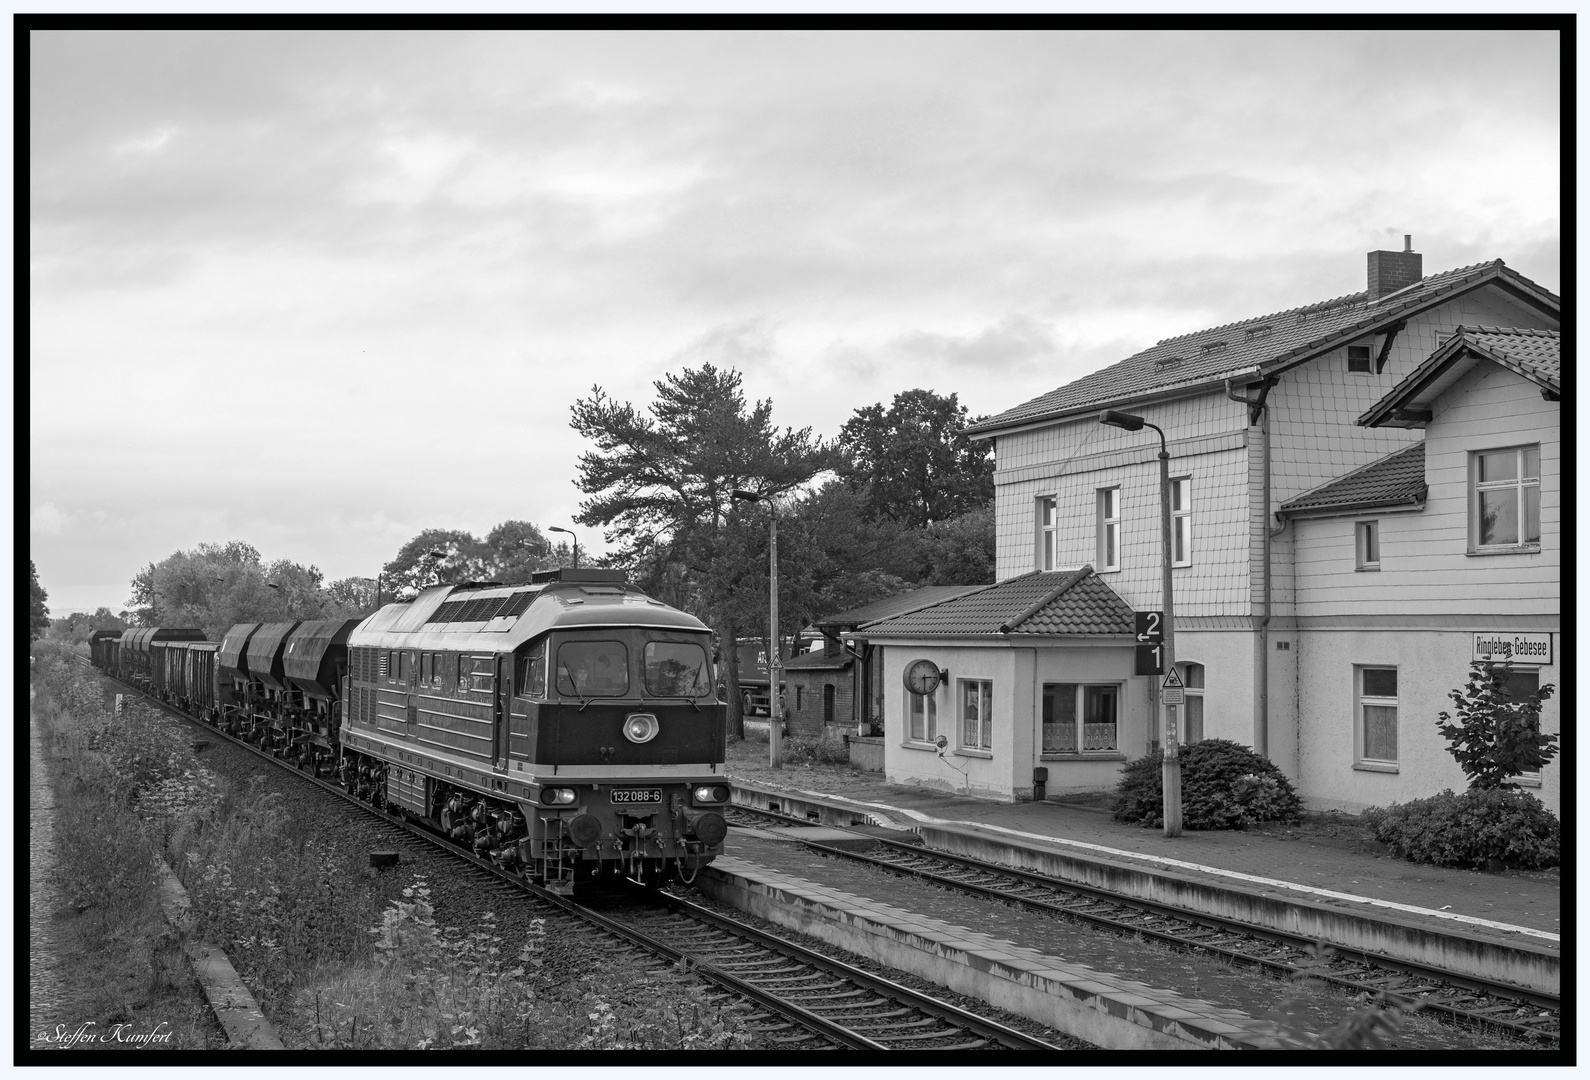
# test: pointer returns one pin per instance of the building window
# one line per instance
(798, 695)
(1367, 542)
(923, 722)
(1520, 685)
(1098, 707)
(1109, 528)
(828, 703)
(977, 714)
(1377, 715)
(1358, 359)
(1192, 724)
(1181, 521)
(1048, 533)
(1505, 498)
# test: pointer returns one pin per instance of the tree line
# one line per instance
(899, 500)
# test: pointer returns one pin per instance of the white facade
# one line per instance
(1016, 675)
(1278, 617)
(1419, 609)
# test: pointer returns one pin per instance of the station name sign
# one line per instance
(1519, 648)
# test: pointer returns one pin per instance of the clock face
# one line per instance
(922, 677)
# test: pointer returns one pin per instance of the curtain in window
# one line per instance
(1098, 718)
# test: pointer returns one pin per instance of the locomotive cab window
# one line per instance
(677, 669)
(531, 680)
(593, 669)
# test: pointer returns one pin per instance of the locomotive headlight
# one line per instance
(710, 793)
(557, 796)
(640, 727)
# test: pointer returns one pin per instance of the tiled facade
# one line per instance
(1268, 667)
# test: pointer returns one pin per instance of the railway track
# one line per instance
(794, 996)
(1452, 997)
(836, 998)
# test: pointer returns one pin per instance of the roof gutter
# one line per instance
(1284, 515)
(1091, 409)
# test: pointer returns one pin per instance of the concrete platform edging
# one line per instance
(1368, 926)
(235, 1008)
(1521, 964)
(1088, 1004)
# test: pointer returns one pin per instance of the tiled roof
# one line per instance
(1250, 347)
(1394, 480)
(891, 606)
(816, 660)
(1052, 602)
(1534, 354)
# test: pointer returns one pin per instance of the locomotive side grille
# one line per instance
(448, 612)
(492, 607)
(517, 604)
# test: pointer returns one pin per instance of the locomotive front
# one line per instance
(568, 729)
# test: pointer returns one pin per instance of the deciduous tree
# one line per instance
(912, 462)
(38, 611)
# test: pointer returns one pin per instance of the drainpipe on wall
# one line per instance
(1259, 414)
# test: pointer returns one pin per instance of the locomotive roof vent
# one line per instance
(592, 575)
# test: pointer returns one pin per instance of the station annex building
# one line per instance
(1366, 498)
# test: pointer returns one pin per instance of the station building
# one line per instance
(1418, 417)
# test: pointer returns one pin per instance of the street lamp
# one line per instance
(775, 721)
(576, 539)
(1172, 770)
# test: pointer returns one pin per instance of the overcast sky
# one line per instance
(318, 292)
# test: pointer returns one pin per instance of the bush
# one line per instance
(1480, 827)
(1223, 786)
(804, 750)
(1497, 735)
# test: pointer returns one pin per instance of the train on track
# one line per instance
(568, 729)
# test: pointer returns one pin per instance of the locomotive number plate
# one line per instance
(637, 796)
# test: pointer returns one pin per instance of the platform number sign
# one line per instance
(1150, 643)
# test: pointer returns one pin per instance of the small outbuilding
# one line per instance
(1008, 687)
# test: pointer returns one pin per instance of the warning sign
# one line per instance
(1172, 690)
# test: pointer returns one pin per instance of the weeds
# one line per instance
(430, 987)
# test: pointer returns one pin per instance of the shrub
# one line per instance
(1497, 736)
(803, 750)
(1224, 785)
(1476, 828)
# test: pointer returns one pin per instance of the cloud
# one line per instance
(746, 345)
(1016, 341)
(46, 520)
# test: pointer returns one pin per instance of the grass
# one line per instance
(122, 974)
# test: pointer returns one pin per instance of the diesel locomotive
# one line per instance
(567, 729)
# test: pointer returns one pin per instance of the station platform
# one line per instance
(1323, 881)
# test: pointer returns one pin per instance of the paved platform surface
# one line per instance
(1317, 862)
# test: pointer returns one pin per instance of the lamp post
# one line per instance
(775, 666)
(1172, 769)
(576, 539)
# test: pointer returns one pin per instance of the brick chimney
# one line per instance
(1393, 270)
